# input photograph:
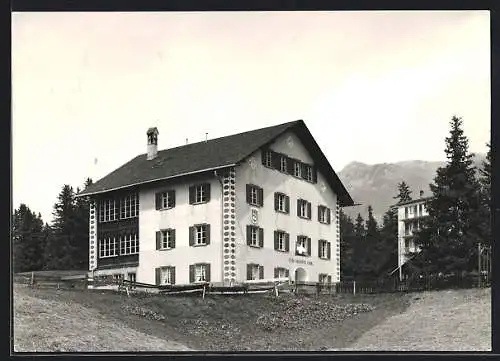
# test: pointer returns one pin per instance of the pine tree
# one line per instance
(389, 237)
(358, 245)
(371, 253)
(404, 193)
(61, 247)
(81, 232)
(28, 240)
(485, 183)
(347, 241)
(450, 234)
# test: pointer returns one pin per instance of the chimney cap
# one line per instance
(153, 130)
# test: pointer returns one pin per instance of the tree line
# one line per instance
(62, 245)
(459, 219)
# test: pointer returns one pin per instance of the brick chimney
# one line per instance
(152, 143)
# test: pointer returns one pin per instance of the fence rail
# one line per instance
(353, 286)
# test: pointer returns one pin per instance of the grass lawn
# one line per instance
(451, 320)
(50, 320)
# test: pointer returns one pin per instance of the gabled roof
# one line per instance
(211, 155)
(417, 200)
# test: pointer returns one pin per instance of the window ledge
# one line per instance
(199, 245)
(166, 209)
(253, 246)
(282, 212)
(305, 218)
(255, 205)
(197, 203)
(281, 250)
(325, 223)
(324, 258)
(166, 249)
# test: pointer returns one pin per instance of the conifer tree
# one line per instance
(448, 240)
(404, 193)
(28, 240)
(347, 242)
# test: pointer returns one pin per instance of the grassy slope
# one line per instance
(455, 320)
(217, 323)
(44, 325)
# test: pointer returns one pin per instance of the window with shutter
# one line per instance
(167, 239)
(255, 236)
(267, 158)
(281, 202)
(199, 193)
(200, 235)
(280, 241)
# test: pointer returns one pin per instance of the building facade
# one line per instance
(257, 205)
(410, 217)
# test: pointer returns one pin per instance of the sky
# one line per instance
(372, 86)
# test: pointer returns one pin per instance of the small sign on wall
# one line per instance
(254, 217)
(300, 261)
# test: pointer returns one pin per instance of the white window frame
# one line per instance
(132, 276)
(255, 268)
(254, 196)
(303, 209)
(166, 275)
(118, 276)
(309, 174)
(107, 210)
(281, 202)
(303, 242)
(200, 273)
(323, 249)
(323, 214)
(268, 159)
(254, 236)
(281, 241)
(200, 235)
(166, 238)
(282, 272)
(283, 164)
(166, 200)
(200, 194)
(129, 244)
(108, 247)
(323, 278)
(297, 169)
(129, 206)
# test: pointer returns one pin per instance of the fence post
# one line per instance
(354, 287)
(203, 296)
(276, 289)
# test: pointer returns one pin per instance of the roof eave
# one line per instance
(84, 194)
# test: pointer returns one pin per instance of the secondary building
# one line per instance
(410, 216)
(256, 205)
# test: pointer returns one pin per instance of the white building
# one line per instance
(410, 216)
(255, 205)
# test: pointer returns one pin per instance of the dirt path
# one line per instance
(457, 320)
(53, 326)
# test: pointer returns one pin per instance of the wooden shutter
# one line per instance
(207, 272)
(329, 250)
(308, 246)
(287, 242)
(275, 240)
(158, 204)
(276, 272)
(191, 236)
(287, 204)
(261, 237)
(315, 174)
(260, 196)
(298, 207)
(319, 247)
(158, 240)
(275, 160)
(191, 273)
(249, 271)
(192, 194)
(303, 171)
(287, 272)
(207, 228)
(261, 272)
(172, 197)
(309, 210)
(173, 237)
(249, 234)
(276, 201)
(207, 191)
(158, 276)
(289, 165)
(319, 213)
(249, 187)
(328, 215)
(172, 275)
(329, 279)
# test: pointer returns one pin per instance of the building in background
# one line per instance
(410, 216)
(256, 205)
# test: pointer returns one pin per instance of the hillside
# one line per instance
(376, 184)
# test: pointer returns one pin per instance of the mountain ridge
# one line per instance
(376, 184)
